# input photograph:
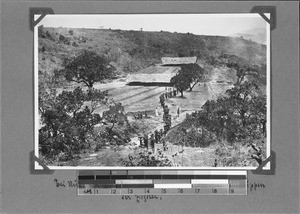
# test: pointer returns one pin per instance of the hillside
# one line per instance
(257, 34)
(131, 51)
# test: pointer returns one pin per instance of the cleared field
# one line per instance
(143, 98)
(140, 98)
(133, 98)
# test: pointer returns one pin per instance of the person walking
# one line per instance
(156, 136)
(146, 140)
(178, 111)
(152, 143)
(141, 141)
(161, 133)
(156, 112)
(164, 144)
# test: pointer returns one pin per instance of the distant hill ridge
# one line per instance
(131, 51)
(256, 34)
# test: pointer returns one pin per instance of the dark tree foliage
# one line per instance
(97, 98)
(259, 113)
(193, 72)
(116, 128)
(45, 34)
(147, 158)
(181, 82)
(115, 115)
(88, 68)
(239, 115)
(67, 124)
(242, 66)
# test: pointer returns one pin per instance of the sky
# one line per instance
(200, 24)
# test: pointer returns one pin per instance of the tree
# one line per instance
(115, 115)
(193, 72)
(71, 101)
(243, 68)
(67, 124)
(259, 112)
(88, 68)
(181, 82)
(97, 98)
(249, 108)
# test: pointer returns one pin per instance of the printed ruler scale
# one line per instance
(167, 182)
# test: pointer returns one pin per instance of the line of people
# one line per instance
(170, 92)
(152, 139)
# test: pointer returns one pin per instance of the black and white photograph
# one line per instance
(152, 91)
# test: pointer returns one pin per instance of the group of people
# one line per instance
(152, 139)
(141, 115)
(170, 92)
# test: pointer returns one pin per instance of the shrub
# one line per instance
(74, 44)
(64, 40)
(237, 154)
(147, 158)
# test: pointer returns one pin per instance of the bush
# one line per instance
(74, 44)
(64, 40)
(191, 136)
(238, 154)
(67, 126)
(147, 158)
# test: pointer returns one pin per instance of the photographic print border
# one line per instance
(268, 93)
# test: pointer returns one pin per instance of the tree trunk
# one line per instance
(90, 90)
(181, 91)
(192, 86)
(264, 127)
(109, 131)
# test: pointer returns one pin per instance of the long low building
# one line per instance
(161, 74)
(178, 60)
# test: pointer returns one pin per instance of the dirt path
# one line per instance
(219, 83)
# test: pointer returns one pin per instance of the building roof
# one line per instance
(155, 74)
(178, 60)
(155, 69)
(147, 78)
